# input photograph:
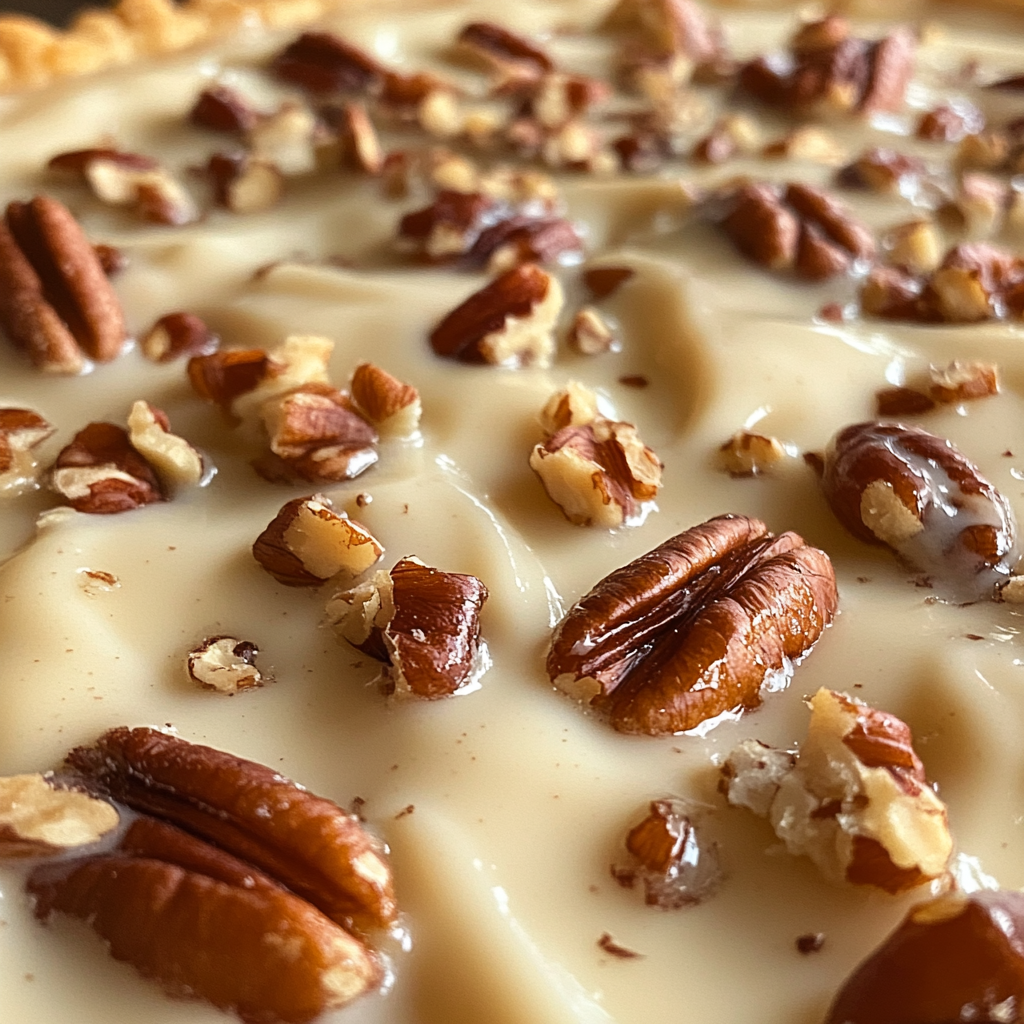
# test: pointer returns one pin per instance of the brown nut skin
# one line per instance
(308, 843)
(323, 63)
(212, 928)
(223, 376)
(107, 445)
(954, 958)
(695, 627)
(954, 524)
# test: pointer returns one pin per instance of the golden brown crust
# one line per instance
(33, 53)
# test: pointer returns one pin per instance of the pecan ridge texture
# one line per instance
(696, 627)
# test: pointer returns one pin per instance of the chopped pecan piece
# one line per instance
(224, 664)
(801, 228)
(576, 406)
(55, 300)
(450, 226)
(222, 109)
(101, 472)
(914, 247)
(308, 543)
(21, 432)
(306, 842)
(509, 322)
(676, 867)
(176, 463)
(953, 957)
(747, 454)
(288, 139)
(224, 376)
(809, 143)
(855, 799)
(323, 63)
(525, 239)
(830, 70)
(424, 624)
(244, 183)
(602, 281)
(697, 628)
(557, 98)
(950, 123)
(176, 335)
(963, 382)
(504, 51)
(883, 170)
(902, 401)
(316, 436)
(360, 145)
(392, 407)
(590, 334)
(131, 179)
(596, 470)
(670, 27)
(918, 495)
(39, 817)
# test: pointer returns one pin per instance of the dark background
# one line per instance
(56, 11)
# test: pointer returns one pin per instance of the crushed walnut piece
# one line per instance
(855, 798)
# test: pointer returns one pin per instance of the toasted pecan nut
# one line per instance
(176, 335)
(176, 463)
(315, 435)
(749, 454)
(241, 943)
(525, 239)
(501, 49)
(762, 228)
(695, 628)
(508, 322)
(304, 841)
(392, 407)
(670, 27)
(449, 226)
(855, 799)
(21, 431)
(224, 664)
(954, 957)
(40, 818)
(307, 543)
(101, 472)
(677, 867)
(422, 622)
(360, 145)
(323, 63)
(222, 109)
(223, 376)
(599, 472)
(603, 280)
(917, 494)
(55, 300)
(244, 183)
(948, 123)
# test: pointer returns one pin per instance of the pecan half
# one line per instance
(918, 495)
(101, 472)
(200, 920)
(422, 622)
(695, 628)
(252, 812)
(307, 543)
(39, 817)
(676, 866)
(55, 300)
(509, 322)
(954, 957)
(799, 227)
(855, 799)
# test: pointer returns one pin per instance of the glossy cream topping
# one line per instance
(517, 802)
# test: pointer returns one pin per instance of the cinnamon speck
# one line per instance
(811, 942)
(404, 811)
(612, 948)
